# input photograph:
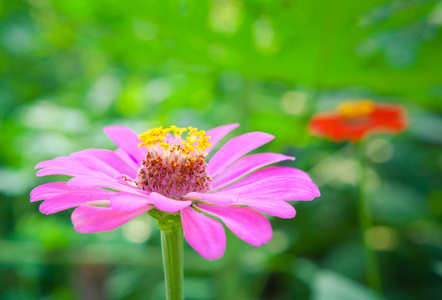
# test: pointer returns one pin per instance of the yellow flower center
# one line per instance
(356, 109)
(195, 141)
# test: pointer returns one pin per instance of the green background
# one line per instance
(69, 68)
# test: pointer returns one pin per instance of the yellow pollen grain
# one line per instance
(356, 109)
(192, 131)
(165, 145)
(195, 141)
(176, 131)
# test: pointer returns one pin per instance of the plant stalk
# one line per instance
(172, 248)
(365, 222)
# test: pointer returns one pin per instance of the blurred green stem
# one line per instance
(172, 247)
(365, 222)
(245, 108)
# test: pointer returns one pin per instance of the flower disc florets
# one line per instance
(174, 166)
(356, 109)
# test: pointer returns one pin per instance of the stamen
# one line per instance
(192, 130)
(176, 131)
(174, 166)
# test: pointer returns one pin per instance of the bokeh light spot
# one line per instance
(381, 238)
(294, 103)
(279, 242)
(263, 32)
(225, 15)
(379, 150)
(137, 231)
(143, 30)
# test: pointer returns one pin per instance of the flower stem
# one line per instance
(365, 222)
(172, 247)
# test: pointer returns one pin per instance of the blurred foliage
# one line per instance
(69, 68)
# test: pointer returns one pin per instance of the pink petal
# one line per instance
(298, 179)
(68, 171)
(204, 234)
(217, 133)
(246, 165)
(75, 166)
(68, 200)
(47, 190)
(234, 149)
(63, 166)
(95, 164)
(103, 182)
(59, 161)
(167, 204)
(271, 206)
(219, 199)
(110, 158)
(80, 162)
(275, 187)
(87, 219)
(127, 140)
(279, 188)
(272, 172)
(127, 159)
(129, 202)
(248, 224)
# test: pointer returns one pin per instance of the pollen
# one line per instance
(174, 166)
(356, 109)
(195, 141)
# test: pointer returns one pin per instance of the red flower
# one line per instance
(355, 120)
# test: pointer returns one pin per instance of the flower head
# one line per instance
(355, 120)
(161, 173)
(173, 166)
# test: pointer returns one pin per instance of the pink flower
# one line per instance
(169, 174)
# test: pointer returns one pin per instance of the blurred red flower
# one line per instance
(355, 120)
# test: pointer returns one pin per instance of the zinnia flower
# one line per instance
(168, 174)
(355, 120)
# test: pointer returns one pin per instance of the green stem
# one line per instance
(172, 247)
(365, 222)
